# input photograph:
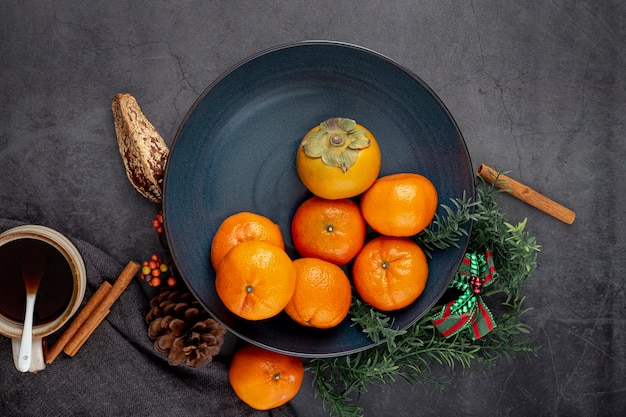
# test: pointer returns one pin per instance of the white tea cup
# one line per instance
(60, 292)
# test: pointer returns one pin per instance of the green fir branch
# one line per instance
(446, 231)
(514, 249)
(376, 325)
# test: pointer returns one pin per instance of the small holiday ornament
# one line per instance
(469, 311)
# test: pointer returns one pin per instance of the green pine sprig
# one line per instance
(446, 231)
(417, 353)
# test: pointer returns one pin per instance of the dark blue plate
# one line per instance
(235, 151)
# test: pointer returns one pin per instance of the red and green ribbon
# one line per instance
(469, 311)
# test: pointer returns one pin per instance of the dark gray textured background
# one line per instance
(537, 88)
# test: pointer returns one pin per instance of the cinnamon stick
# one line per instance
(80, 338)
(78, 321)
(124, 279)
(526, 194)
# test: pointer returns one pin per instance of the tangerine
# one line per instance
(264, 379)
(240, 227)
(390, 272)
(323, 294)
(332, 230)
(338, 159)
(399, 204)
(255, 279)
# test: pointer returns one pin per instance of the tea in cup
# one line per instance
(60, 292)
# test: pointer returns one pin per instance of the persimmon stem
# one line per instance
(337, 140)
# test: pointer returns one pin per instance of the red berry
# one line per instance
(157, 222)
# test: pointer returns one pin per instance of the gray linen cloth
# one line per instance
(117, 372)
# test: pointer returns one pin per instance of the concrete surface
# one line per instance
(537, 88)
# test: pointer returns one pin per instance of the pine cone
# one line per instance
(182, 329)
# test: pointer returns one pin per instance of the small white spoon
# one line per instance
(32, 267)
